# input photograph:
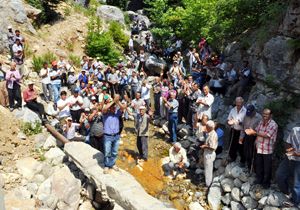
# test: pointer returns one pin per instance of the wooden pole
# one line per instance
(56, 134)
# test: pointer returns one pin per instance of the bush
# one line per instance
(75, 60)
(38, 61)
(116, 31)
(31, 128)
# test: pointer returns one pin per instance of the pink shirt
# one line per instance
(12, 79)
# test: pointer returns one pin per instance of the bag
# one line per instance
(97, 127)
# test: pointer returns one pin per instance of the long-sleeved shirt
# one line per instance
(238, 117)
(29, 95)
(142, 124)
(250, 122)
(212, 141)
(266, 145)
(12, 79)
(177, 157)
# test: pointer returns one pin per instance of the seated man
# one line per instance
(30, 97)
(178, 161)
(69, 130)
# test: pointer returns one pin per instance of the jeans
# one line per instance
(47, 91)
(56, 91)
(286, 169)
(142, 145)
(173, 121)
(111, 146)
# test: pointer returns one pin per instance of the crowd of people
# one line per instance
(93, 105)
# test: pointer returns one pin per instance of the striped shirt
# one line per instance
(266, 145)
(294, 140)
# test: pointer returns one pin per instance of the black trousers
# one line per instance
(156, 103)
(76, 115)
(249, 150)
(14, 94)
(235, 146)
(264, 169)
(63, 79)
(142, 145)
(97, 143)
(36, 107)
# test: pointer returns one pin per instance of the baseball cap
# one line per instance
(105, 97)
(93, 98)
(87, 109)
(104, 88)
(76, 90)
(30, 82)
(91, 82)
(54, 63)
(69, 118)
(9, 27)
(250, 109)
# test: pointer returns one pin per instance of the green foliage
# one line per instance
(28, 51)
(105, 44)
(218, 20)
(48, 8)
(294, 44)
(270, 82)
(67, 11)
(74, 60)
(38, 61)
(89, 11)
(117, 33)
(31, 128)
(118, 3)
(70, 45)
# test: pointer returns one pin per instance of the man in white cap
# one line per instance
(69, 130)
(209, 147)
(142, 121)
(178, 160)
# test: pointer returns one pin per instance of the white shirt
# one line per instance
(145, 92)
(178, 43)
(73, 100)
(72, 130)
(130, 43)
(177, 157)
(46, 79)
(65, 112)
(17, 48)
(206, 109)
(55, 73)
(238, 117)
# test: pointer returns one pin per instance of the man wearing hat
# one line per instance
(142, 121)
(69, 130)
(83, 77)
(76, 102)
(30, 97)
(72, 80)
(46, 83)
(251, 120)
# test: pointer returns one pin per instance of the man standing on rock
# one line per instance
(205, 102)
(251, 120)
(172, 106)
(142, 121)
(209, 147)
(13, 85)
(266, 134)
(111, 122)
(290, 166)
(235, 120)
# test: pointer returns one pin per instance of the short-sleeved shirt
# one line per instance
(111, 122)
(65, 112)
(294, 140)
(70, 134)
(266, 145)
(46, 79)
(203, 109)
(212, 140)
(136, 104)
(238, 117)
(55, 73)
(174, 106)
(73, 100)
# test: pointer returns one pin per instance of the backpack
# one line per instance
(96, 128)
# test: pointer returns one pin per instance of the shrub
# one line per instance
(116, 31)
(31, 128)
(38, 61)
(75, 60)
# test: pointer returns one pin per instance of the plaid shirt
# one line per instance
(266, 145)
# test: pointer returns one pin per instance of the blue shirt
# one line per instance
(111, 122)
(83, 78)
(220, 134)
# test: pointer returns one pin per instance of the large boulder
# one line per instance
(109, 13)
(20, 15)
(155, 65)
(28, 167)
(140, 17)
(214, 197)
(291, 22)
(26, 115)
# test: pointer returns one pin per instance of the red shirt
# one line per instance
(29, 95)
(266, 145)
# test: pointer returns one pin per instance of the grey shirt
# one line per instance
(174, 106)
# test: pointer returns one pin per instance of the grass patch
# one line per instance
(38, 61)
(74, 60)
(31, 128)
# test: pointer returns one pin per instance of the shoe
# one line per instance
(170, 177)
(288, 204)
(116, 168)
(106, 170)
(55, 107)
(19, 108)
(11, 109)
